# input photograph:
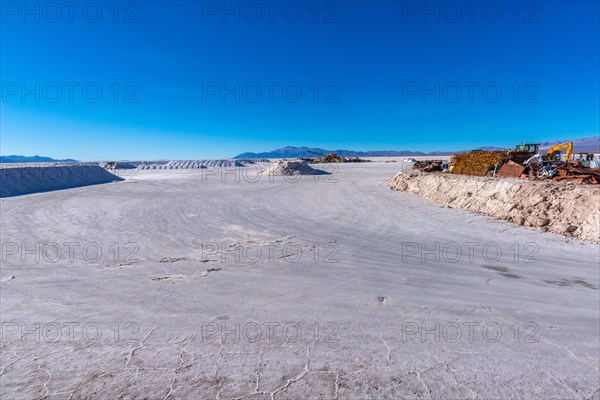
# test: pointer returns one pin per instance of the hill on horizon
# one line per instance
(295, 152)
(19, 159)
(586, 145)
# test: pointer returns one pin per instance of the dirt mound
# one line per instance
(26, 180)
(476, 163)
(287, 168)
(563, 208)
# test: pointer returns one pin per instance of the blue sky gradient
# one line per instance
(373, 75)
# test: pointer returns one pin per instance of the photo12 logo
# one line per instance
(470, 92)
(468, 332)
(62, 174)
(470, 12)
(69, 252)
(270, 332)
(52, 12)
(70, 92)
(69, 331)
(471, 252)
(270, 92)
(254, 252)
(270, 12)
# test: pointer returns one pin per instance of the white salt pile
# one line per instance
(18, 180)
(287, 168)
(118, 165)
(194, 164)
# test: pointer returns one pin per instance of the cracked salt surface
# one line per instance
(379, 322)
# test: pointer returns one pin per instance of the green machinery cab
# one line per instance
(528, 147)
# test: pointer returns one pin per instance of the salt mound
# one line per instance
(118, 165)
(559, 207)
(25, 180)
(194, 164)
(287, 168)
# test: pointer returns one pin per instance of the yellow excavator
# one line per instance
(554, 153)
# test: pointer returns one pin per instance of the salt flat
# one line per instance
(219, 283)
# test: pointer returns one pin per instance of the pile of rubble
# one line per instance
(520, 164)
(577, 173)
(429, 165)
(538, 169)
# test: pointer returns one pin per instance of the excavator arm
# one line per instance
(555, 150)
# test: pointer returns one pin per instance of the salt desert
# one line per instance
(222, 283)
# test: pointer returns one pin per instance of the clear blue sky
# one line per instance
(376, 65)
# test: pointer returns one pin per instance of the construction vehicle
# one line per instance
(520, 154)
(528, 147)
(554, 153)
(548, 165)
(526, 161)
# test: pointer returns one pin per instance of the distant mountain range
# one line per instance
(19, 159)
(295, 152)
(587, 145)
